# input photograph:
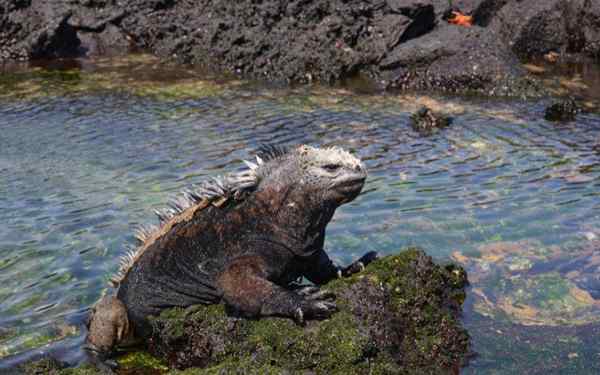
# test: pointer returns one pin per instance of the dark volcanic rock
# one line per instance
(590, 28)
(295, 41)
(398, 316)
(455, 59)
(562, 110)
(397, 43)
(542, 27)
(465, 6)
(28, 32)
(534, 28)
(43, 366)
(427, 122)
(52, 29)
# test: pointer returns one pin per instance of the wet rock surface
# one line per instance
(43, 366)
(397, 43)
(539, 285)
(426, 122)
(400, 315)
(562, 110)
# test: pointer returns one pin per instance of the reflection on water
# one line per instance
(512, 197)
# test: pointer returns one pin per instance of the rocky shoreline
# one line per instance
(405, 44)
(400, 315)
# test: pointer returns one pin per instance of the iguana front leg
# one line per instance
(319, 269)
(246, 289)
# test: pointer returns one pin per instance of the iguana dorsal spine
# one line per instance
(215, 191)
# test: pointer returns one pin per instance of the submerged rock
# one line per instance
(562, 110)
(43, 366)
(426, 122)
(400, 315)
(529, 283)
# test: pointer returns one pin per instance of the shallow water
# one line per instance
(88, 153)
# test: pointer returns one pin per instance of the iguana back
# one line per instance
(242, 239)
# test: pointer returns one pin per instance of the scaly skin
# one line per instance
(247, 253)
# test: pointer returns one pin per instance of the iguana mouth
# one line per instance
(352, 183)
(349, 188)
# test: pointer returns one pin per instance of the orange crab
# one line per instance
(460, 19)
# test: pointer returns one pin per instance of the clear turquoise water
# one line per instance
(79, 171)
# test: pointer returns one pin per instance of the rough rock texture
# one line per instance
(562, 110)
(398, 43)
(44, 366)
(455, 59)
(288, 40)
(400, 315)
(427, 122)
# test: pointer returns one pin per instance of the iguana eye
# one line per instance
(331, 167)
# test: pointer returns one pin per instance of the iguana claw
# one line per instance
(360, 264)
(318, 309)
(312, 293)
(99, 360)
(316, 304)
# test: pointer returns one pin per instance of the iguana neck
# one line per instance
(298, 218)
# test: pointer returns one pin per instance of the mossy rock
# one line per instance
(43, 366)
(426, 122)
(399, 316)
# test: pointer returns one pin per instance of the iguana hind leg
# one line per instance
(108, 327)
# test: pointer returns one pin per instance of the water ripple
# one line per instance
(77, 172)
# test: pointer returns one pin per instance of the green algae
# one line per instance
(17, 339)
(83, 370)
(272, 345)
(36, 340)
(507, 285)
(141, 362)
(179, 90)
(133, 363)
(175, 318)
(423, 302)
(6, 335)
(137, 75)
(533, 349)
(46, 366)
(547, 299)
(336, 345)
(49, 366)
(405, 296)
(26, 304)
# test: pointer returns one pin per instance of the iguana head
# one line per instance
(329, 175)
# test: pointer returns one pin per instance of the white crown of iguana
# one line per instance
(216, 191)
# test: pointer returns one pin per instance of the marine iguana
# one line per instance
(243, 239)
